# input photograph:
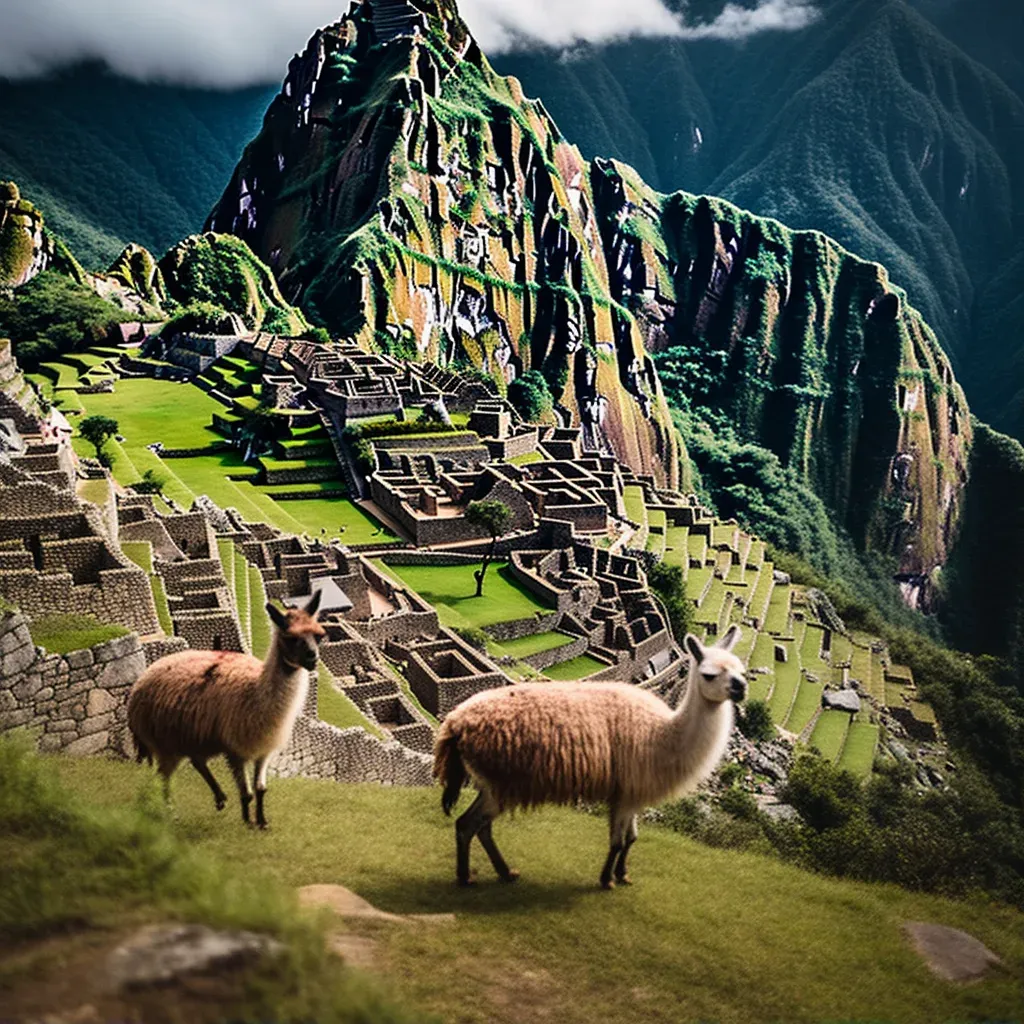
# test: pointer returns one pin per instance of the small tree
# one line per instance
(755, 721)
(98, 430)
(496, 518)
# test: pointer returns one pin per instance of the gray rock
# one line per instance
(17, 661)
(780, 812)
(841, 700)
(160, 954)
(88, 745)
(100, 702)
(79, 659)
(950, 954)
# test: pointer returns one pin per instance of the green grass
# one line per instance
(526, 460)
(830, 733)
(140, 552)
(163, 611)
(636, 509)
(806, 702)
(451, 589)
(787, 680)
(177, 415)
(859, 750)
(527, 645)
(240, 584)
(703, 934)
(88, 861)
(777, 619)
(338, 710)
(259, 620)
(60, 634)
(331, 514)
(97, 491)
(575, 668)
(677, 545)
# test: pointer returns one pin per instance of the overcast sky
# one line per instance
(239, 42)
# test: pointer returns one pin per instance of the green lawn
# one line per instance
(86, 866)
(336, 709)
(703, 935)
(177, 415)
(140, 552)
(527, 645)
(777, 620)
(526, 460)
(830, 733)
(859, 750)
(60, 634)
(787, 680)
(575, 668)
(677, 545)
(636, 510)
(807, 701)
(260, 621)
(97, 491)
(451, 589)
(163, 611)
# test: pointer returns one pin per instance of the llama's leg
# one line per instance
(203, 768)
(621, 875)
(244, 790)
(167, 763)
(259, 775)
(467, 826)
(505, 873)
(617, 823)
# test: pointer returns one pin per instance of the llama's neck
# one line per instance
(279, 679)
(695, 737)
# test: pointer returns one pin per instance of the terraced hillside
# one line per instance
(795, 646)
(199, 449)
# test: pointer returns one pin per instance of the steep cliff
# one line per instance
(406, 195)
(26, 247)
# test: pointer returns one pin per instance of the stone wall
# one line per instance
(545, 659)
(518, 628)
(76, 702)
(321, 751)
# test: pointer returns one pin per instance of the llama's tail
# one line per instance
(448, 767)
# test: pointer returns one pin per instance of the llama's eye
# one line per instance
(709, 675)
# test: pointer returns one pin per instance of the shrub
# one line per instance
(668, 583)
(200, 318)
(98, 430)
(755, 720)
(476, 638)
(530, 396)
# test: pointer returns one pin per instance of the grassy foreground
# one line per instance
(703, 934)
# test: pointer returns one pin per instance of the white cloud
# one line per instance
(736, 23)
(229, 43)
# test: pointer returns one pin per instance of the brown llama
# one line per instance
(558, 743)
(198, 704)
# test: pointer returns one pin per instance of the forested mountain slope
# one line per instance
(869, 125)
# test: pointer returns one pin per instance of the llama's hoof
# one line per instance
(469, 880)
(511, 877)
(623, 880)
(607, 883)
(263, 826)
(220, 803)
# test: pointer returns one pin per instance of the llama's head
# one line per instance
(719, 673)
(299, 633)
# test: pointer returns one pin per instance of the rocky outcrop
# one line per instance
(26, 247)
(410, 198)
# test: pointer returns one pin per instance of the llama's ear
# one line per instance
(731, 638)
(277, 616)
(314, 603)
(695, 647)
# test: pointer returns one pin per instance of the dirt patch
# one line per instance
(64, 980)
(951, 954)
